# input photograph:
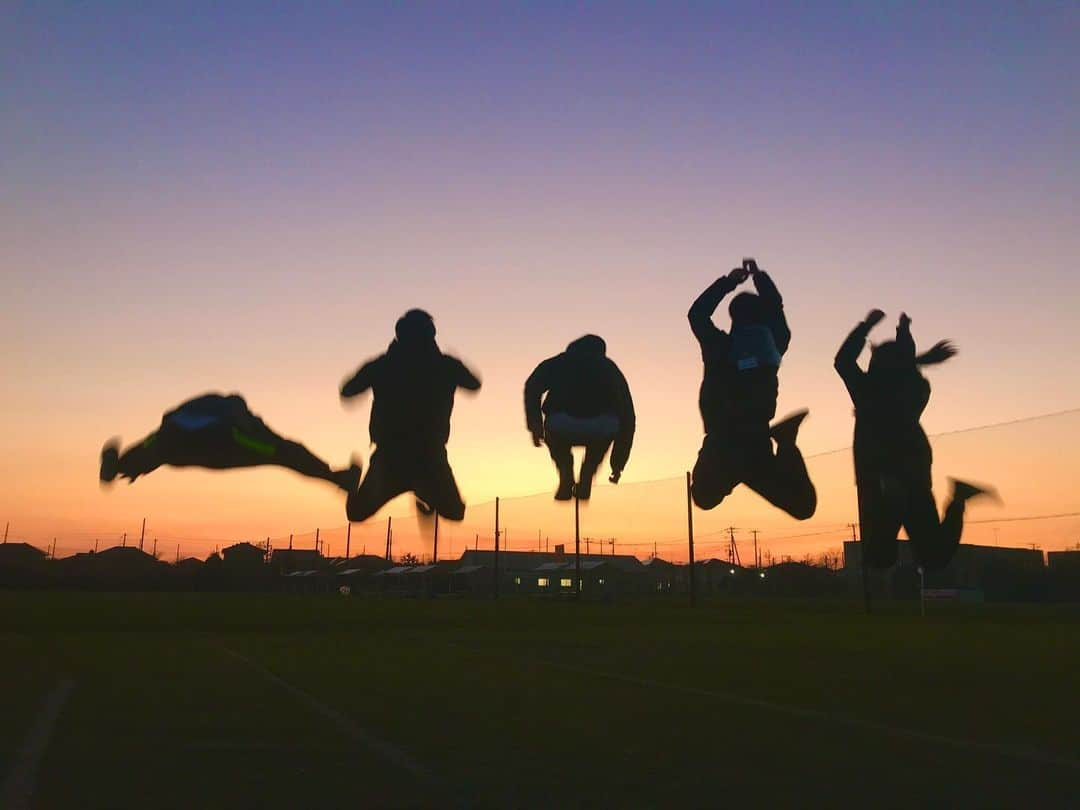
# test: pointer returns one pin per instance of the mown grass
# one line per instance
(526, 703)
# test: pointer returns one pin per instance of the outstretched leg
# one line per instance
(380, 486)
(141, 458)
(934, 544)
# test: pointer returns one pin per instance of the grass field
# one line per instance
(320, 701)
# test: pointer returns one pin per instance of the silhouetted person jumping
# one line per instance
(413, 385)
(219, 432)
(738, 399)
(892, 453)
(588, 404)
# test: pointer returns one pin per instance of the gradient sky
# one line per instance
(246, 197)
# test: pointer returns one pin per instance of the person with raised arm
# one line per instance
(738, 398)
(892, 453)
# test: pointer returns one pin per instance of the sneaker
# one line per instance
(349, 479)
(110, 461)
(965, 491)
(786, 431)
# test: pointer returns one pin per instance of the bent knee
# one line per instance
(708, 496)
(455, 512)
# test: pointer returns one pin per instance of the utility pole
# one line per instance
(863, 567)
(123, 541)
(435, 545)
(690, 538)
(348, 538)
(6, 527)
(389, 524)
(316, 541)
(757, 559)
(178, 552)
(155, 548)
(496, 564)
(142, 534)
(95, 545)
(577, 547)
(612, 543)
(733, 548)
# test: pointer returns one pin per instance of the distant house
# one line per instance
(287, 560)
(21, 557)
(993, 572)
(243, 557)
(664, 576)
(188, 566)
(1063, 572)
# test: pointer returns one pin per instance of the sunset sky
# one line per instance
(246, 198)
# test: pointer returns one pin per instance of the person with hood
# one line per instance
(413, 385)
(738, 399)
(217, 431)
(587, 404)
(891, 450)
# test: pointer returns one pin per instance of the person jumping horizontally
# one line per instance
(588, 404)
(892, 454)
(413, 385)
(219, 432)
(738, 399)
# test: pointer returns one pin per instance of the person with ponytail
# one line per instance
(892, 453)
(413, 386)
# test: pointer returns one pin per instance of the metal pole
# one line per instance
(863, 567)
(577, 547)
(435, 546)
(155, 548)
(6, 527)
(142, 534)
(348, 538)
(316, 540)
(496, 548)
(690, 538)
(290, 542)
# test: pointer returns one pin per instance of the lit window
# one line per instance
(542, 582)
(517, 580)
(566, 582)
(601, 582)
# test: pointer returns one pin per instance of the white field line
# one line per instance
(837, 718)
(18, 790)
(389, 752)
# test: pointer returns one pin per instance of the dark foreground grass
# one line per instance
(192, 701)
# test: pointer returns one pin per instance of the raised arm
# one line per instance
(846, 362)
(362, 380)
(773, 305)
(464, 378)
(701, 311)
(539, 382)
(624, 439)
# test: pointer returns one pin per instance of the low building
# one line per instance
(996, 573)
